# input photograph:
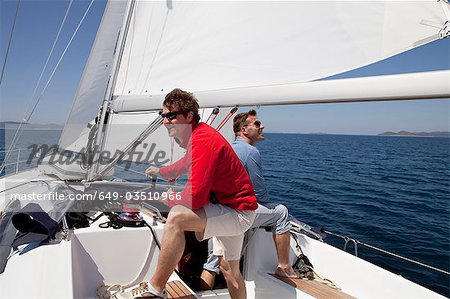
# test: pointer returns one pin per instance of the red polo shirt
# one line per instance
(212, 166)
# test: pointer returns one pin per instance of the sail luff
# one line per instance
(93, 84)
(105, 107)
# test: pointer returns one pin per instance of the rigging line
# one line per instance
(227, 118)
(403, 258)
(50, 78)
(132, 33)
(138, 140)
(215, 111)
(99, 139)
(52, 49)
(10, 40)
(213, 119)
(390, 253)
(17, 133)
(209, 117)
(15, 150)
(138, 172)
(62, 56)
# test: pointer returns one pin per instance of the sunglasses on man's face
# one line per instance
(170, 115)
(256, 123)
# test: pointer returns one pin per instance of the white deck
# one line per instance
(93, 256)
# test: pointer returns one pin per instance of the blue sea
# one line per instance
(390, 192)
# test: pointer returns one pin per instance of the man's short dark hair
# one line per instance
(183, 101)
(240, 120)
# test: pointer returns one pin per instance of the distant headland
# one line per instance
(416, 134)
(28, 126)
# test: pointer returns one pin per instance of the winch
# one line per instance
(130, 219)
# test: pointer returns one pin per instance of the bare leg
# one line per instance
(207, 280)
(180, 219)
(233, 277)
(282, 243)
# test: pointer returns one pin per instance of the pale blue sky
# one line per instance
(37, 25)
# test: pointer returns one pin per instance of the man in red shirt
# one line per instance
(214, 171)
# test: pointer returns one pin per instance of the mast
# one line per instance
(105, 107)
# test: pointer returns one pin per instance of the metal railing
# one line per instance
(320, 234)
(357, 242)
(17, 161)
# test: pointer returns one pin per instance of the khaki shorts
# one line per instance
(227, 227)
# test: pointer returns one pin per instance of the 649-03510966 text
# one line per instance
(97, 195)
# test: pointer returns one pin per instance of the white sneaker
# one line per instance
(144, 290)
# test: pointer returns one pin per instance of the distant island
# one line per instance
(28, 126)
(416, 134)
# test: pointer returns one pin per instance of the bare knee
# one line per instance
(176, 218)
(282, 210)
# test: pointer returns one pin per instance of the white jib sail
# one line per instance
(95, 76)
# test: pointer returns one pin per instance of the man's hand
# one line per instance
(151, 171)
(165, 196)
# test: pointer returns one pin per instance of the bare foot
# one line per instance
(207, 279)
(289, 272)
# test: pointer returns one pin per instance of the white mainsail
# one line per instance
(240, 53)
(210, 46)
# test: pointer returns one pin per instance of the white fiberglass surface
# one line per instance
(355, 276)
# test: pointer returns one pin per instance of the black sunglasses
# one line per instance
(257, 124)
(170, 115)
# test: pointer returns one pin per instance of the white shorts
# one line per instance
(227, 227)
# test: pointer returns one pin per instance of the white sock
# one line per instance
(154, 291)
